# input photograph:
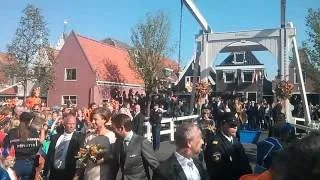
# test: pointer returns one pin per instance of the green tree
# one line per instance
(312, 45)
(150, 44)
(30, 56)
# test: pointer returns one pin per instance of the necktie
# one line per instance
(190, 164)
(60, 148)
(123, 152)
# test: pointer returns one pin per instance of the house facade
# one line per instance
(88, 70)
(312, 88)
(241, 73)
(187, 76)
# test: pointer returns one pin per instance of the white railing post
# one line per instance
(148, 134)
(172, 130)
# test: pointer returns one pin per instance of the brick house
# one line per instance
(88, 70)
(242, 73)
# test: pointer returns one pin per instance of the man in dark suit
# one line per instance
(138, 121)
(133, 153)
(181, 165)
(63, 148)
(224, 155)
(155, 121)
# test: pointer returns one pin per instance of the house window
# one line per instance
(239, 57)
(189, 80)
(70, 74)
(229, 77)
(168, 72)
(252, 96)
(72, 100)
(247, 76)
(296, 78)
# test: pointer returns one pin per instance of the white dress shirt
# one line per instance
(189, 168)
(229, 138)
(59, 163)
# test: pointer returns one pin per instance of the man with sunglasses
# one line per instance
(224, 155)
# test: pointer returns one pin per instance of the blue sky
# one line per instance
(99, 19)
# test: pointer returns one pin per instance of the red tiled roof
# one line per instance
(167, 63)
(10, 91)
(110, 63)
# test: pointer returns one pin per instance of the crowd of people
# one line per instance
(44, 143)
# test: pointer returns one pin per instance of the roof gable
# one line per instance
(249, 59)
(110, 63)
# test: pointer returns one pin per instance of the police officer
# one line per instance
(224, 155)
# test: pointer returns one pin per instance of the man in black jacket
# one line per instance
(63, 148)
(138, 121)
(181, 165)
(225, 157)
(155, 121)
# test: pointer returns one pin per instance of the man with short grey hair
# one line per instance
(63, 148)
(182, 165)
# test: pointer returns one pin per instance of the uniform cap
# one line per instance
(229, 117)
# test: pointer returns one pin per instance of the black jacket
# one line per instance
(225, 160)
(156, 117)
(137, 126)
(171, 169)
(76, 142)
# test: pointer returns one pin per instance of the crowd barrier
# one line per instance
(167, 126)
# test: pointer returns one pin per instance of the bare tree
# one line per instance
(150, 44)
(30, 56)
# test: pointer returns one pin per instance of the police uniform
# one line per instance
(225, 157)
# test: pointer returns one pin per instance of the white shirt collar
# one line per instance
(128, 137)
(182, 160)
(230, 138)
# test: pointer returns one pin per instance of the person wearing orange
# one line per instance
(34, 98)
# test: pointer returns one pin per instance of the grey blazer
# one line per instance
(139, 157)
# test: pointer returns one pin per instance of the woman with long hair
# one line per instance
(26, 142)
(102, 168)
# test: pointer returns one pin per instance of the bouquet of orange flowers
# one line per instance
(284, 89)
(202, 89)
(91, 153)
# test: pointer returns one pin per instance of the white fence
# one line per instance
(300, 126)
(171, 128)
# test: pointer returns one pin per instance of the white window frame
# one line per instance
(62, 99)
(242, 75)
(247, 93)
(188, 80)
(295, 80)
(235, 57)
(65, 74)
(225, 76)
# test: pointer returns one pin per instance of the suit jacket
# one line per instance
(171, 169)
(225, 160)
(139, 157)
(76, 142)
(138, 121)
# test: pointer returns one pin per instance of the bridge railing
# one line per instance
(300, 125)
(167, 126)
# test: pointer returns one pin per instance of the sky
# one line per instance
(99, 19)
